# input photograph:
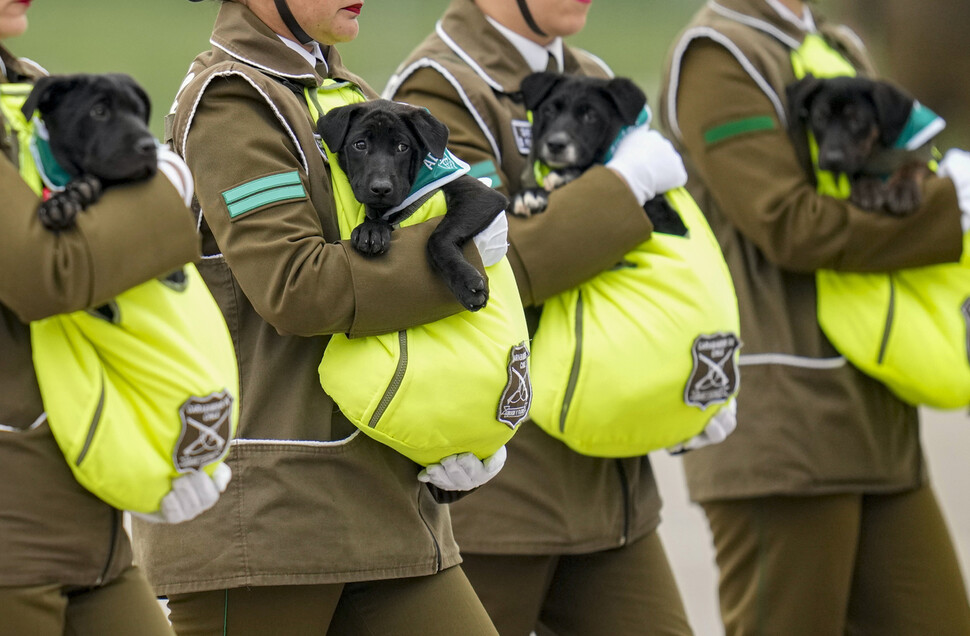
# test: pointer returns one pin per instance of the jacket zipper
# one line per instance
(625, 490)
(92, 427)
(434, 539)
(402, 367)
(115, 522)
(574, 371)
(890, 314)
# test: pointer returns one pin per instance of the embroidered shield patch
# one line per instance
(714, 376)
(522, 131)
(513, 407)
(205, 430)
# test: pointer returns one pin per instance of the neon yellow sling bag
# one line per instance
(459, 384)
(907, 328)
(141, 390)
(640, 357)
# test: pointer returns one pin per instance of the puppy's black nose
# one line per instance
(831, 158)
(145, 146)
(555, 147)
(381, 187)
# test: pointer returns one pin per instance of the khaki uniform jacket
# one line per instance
(312, 500)
(52, 530)
(808, 422)
(548, 499)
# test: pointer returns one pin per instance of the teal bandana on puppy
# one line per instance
(433, 174)
(54, 176)
(923, 124)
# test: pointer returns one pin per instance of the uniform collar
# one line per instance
(467, 32)
(13, 70)
(241, 35)
(769, 17)
(536, 55)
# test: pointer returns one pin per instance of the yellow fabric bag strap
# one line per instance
(12, 98)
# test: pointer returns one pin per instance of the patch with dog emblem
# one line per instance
(264, 191)
(522, 131)
(714, 376)
(205, 430)
(513, 407)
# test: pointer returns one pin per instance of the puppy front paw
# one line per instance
(372, 237)
(903, 197)
(58, 212)
(559, 178)
(470, 288)
(868, 194)
(529, 202)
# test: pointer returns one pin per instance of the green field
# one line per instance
(154, 40)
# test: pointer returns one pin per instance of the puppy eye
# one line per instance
(360, 145)
(402, 147)
(99, 111)
(589, 117)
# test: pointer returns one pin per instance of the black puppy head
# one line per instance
(575, 119)
(380, 144)
(850, 117)
(98, 125)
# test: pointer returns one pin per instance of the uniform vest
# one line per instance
(640, 357)
(459, 384)
(142, 389)
(910, 328)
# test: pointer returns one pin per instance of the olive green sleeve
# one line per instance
(588, 227)
(742, 151)
(134, 233)
(300, 281)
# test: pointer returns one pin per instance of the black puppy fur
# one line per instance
(574, 121)
(856, 121)
(98, 128)
(381, 145)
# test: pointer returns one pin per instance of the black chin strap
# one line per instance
(290, 21)
(529, 20)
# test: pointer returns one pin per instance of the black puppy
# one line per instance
(575, 120)
(98, 133)
(856, 122)
(381, 145)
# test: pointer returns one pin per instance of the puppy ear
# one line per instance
(893, 106)
(333, 126)
(800, 95)
(536, 86)
(47, 92)
(627, 97)
(128, 80)
(430, 131)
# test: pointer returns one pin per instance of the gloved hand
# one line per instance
(463, 471)
(493, 241)
(172, 166)
(191, 495)
(955, 165)
(649, 164)
(718, 428)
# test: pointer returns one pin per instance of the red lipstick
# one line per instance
(354, 8)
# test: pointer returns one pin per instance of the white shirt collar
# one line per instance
(535, 55)
(314, 58)
(804, 23)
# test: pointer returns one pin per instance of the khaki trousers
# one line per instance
(629, 591)
(443, 604)
(877, 565)
(123, 607)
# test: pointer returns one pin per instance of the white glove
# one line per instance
(718, 428)
(955, 165)
(191, 495)
(649, 164)
(464, 471)
(172, 166)
(493, 241)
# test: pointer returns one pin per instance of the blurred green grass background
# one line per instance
(155, 40)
